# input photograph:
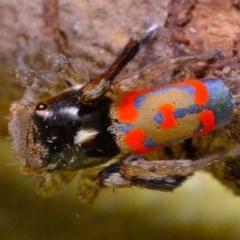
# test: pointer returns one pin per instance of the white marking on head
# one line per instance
(84, 136)
(43, 113)
(73, 111)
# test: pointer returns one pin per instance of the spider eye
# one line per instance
(41, 106)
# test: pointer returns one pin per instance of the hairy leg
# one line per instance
(158, 174)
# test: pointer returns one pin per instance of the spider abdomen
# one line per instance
(151, 118)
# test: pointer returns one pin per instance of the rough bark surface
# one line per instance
(96, 31)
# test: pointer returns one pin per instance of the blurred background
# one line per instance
(95, 31)
(201, 209)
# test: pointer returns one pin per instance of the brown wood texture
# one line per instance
(94, 32)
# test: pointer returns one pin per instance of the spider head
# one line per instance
(63, 133)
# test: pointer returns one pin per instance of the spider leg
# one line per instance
(50, 184)
(33, 79)
(158, 174)
(100, 84)
(39, 84)
(71, 70)
(88, 189)
(142, 77)
(113, 177)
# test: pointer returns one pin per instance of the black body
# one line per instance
(56, 131)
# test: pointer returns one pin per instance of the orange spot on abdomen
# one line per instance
(201, 90)
(169, 120)
(127, 110)
(207, 119)
(135, 140)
